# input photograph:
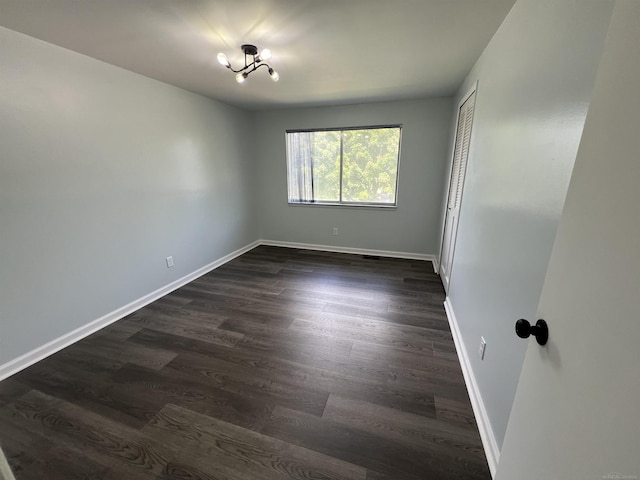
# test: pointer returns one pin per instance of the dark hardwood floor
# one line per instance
(281, 364)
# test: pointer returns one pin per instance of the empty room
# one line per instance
(301, 239)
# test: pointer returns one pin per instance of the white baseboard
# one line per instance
(482, 418)
(43, 351)
(357, 251)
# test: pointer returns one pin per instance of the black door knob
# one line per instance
(539, 330)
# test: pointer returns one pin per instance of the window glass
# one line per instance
(355, 166)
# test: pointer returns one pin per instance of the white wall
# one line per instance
(535, 79)
(412, 227)
(104, 173)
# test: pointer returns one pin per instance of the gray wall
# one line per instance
(535, 79)
(584, 383)
(412, 227)
(104, 173)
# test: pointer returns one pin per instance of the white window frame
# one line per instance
(340, 202)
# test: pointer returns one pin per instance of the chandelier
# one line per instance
(252, 62)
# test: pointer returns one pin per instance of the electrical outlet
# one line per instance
(483, 346)
(335, 230)
(169, 262)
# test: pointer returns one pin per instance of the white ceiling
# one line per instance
(326, 51)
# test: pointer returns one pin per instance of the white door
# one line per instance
(576, 414)
(456, 184)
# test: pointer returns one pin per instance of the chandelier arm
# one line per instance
(241, 69)
(236, 71)
(261, 64)
(252, 67)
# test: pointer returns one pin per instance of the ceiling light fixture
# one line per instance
(252, 61)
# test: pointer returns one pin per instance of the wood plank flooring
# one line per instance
(281, 364)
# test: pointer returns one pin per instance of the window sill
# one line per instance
(343, 205)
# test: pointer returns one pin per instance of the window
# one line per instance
(350, 166)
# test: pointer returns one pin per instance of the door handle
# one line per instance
(540, 330)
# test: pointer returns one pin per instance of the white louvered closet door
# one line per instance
(458, 171)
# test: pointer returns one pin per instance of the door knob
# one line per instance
(539, 330)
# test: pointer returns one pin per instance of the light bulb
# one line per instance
(265, 54)
(274, 75)
(223, 60)
(241, 77)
